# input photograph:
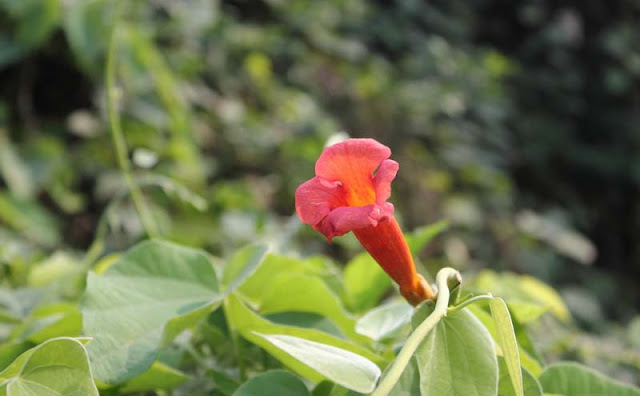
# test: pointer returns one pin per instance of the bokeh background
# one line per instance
(516, 121)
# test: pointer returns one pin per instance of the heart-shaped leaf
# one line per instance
(56, 367)
(149, 295)
(457, 358)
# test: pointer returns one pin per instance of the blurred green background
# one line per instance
(517, 121)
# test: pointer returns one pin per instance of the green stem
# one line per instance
(470, 301)
(117, 136)
(415, 339)
(236, 342)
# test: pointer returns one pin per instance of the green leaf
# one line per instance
(159, 376)
(507, 340)
(409, 382)
(53, 320)
(11, 350)
(306, 320)
(531, 386)
(302, 293)
(259, 283)
(457, 358)
(365, 282)
(420, 237)
(526, 312)
(150, 294)
(385, 320)
(248, 323)
(242, 265)
(273, 383)
(572, 379)
(56, 367)
(523, 289)
(343, 367)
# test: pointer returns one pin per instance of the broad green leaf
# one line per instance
(159, 376)
(242, 265)
(150, 294)
(531, 386)
(248, 323)
(523, 289)
(56, 367)
(273, 383)
(385, 320)
(420, 237)
(365, 282)
(303, 293)
(572, 379)
(343, 367)
(457, 358)
(259, 283)
(507, 340)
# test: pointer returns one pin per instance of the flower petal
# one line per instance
(353, 162)
(344, 219)
(315, 198)
(383, 178)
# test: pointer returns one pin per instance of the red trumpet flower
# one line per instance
(349, 193)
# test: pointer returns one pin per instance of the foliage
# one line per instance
(224, 107)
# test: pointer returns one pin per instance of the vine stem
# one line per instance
(443, 280)
(119, 143)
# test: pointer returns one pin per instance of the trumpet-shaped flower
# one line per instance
(349, 193)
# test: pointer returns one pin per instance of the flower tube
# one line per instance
(349, 193)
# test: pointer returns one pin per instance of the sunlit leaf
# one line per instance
(248, 323)
(507, 340)
(338, 365)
